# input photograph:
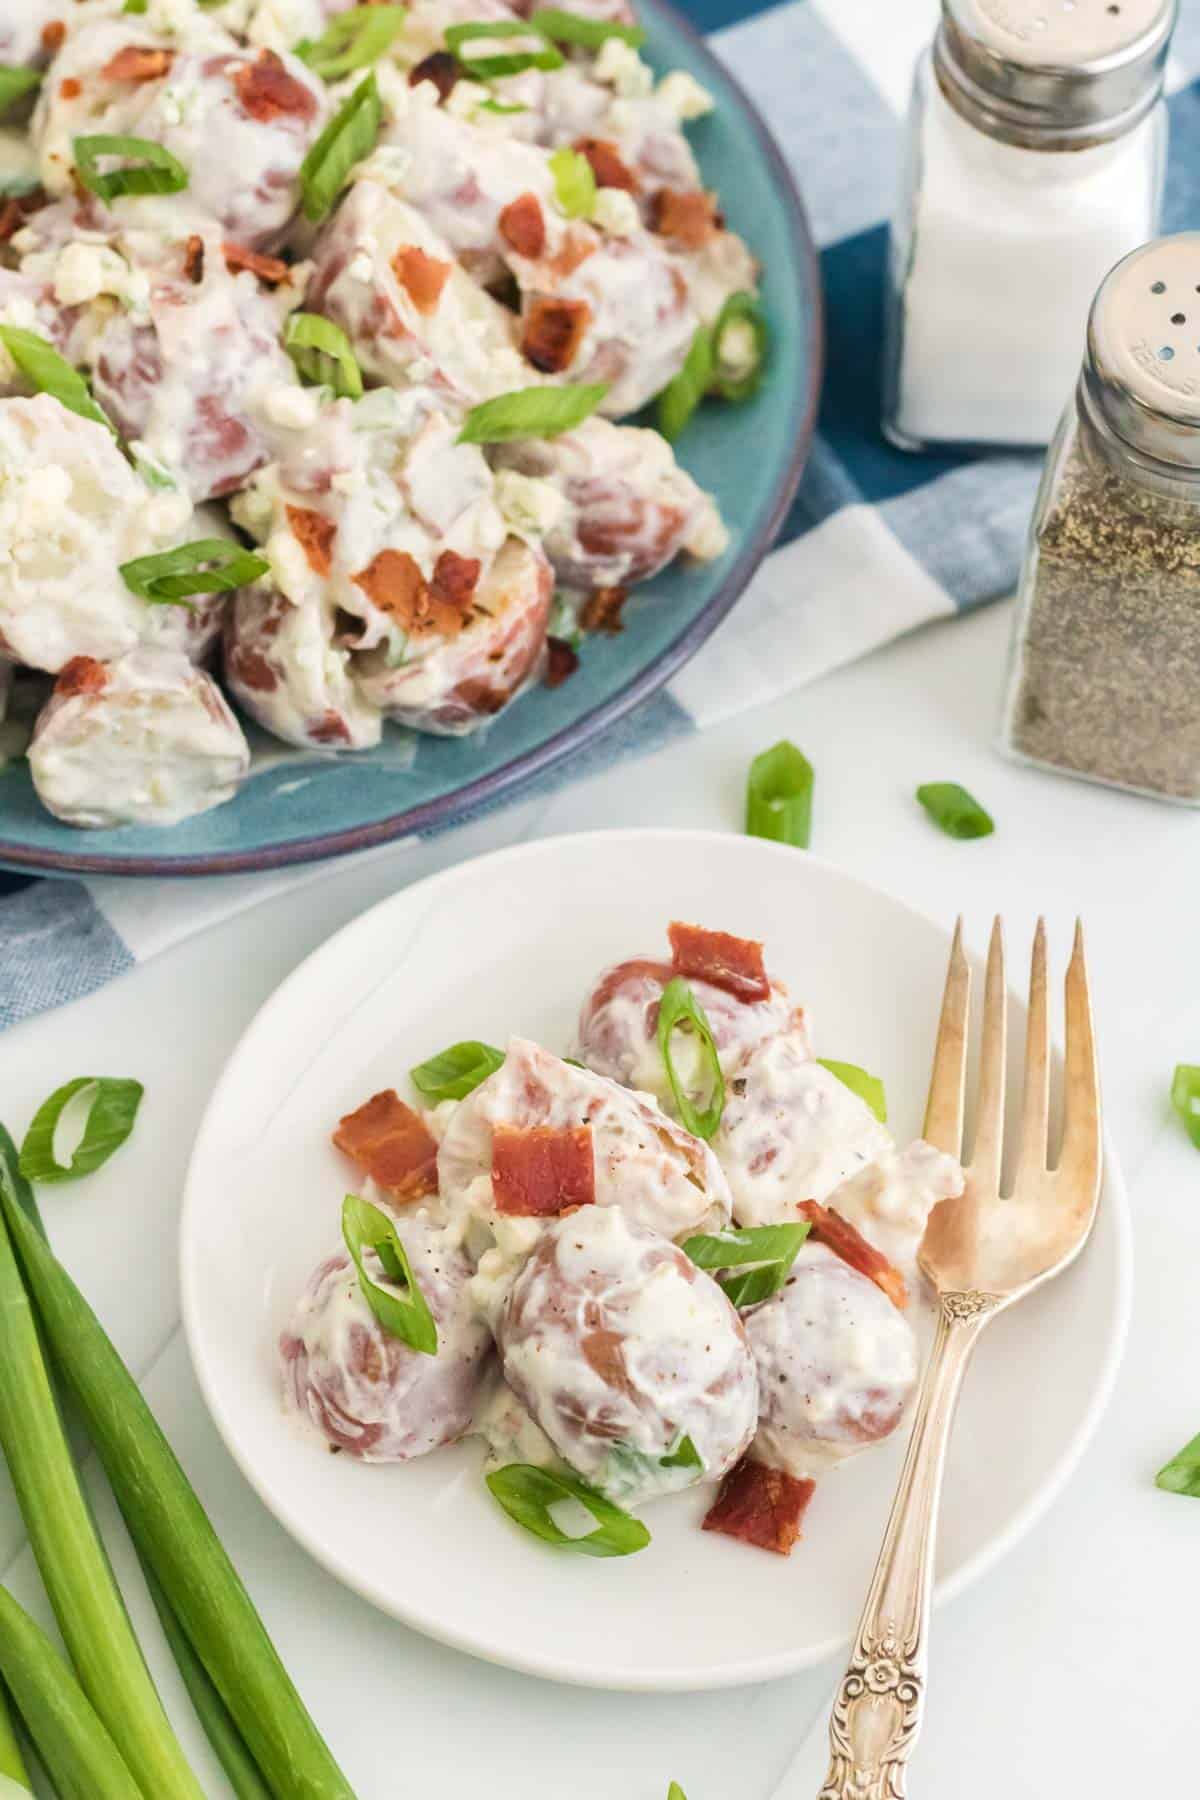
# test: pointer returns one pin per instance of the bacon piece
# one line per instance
(732, 963)
(193, 258)
(603, 610)
(542, 1170)
(271, 269)
(760, 1506)
(393, 582)
(138, 63)
(392, 1144)
(608, 165)
(315, 534)
(53, 35)
(267, 91)
(441, 68)
(455, 578)
(561, 661)
(523, 227)
(553, 333)
(82, 675)
(846, 1241)
(422, 277)
(690, 219)
(71, 88)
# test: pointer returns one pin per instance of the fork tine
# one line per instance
(1035, 1102)
(944, 1108)
(1080, 1157)
(988, 1149)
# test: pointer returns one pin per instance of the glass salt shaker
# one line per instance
(1034, 159)
(1104, 680)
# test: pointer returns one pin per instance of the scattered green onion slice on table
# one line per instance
(149, 167)
(406, 1314)
(763, 1253)
(350, 135)
(869, 1088)
(574, 183)
(515, 62)
(735, 375)
(353, 40)
(1182, 1474)
(956, 812)
(779, 795)
(589, 34)
(323, 355)
(1185, 1098)
(209, 566)
(531, 412)
(684, 1455)
(527, 1494)
(16, 82)
(52, 374)
(679, 1009)
(680, 398)
(112, 1110)
(457, 1071)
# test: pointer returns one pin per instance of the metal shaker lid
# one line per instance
(1142, 369)
(1053, 74)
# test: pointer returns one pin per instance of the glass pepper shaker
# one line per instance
(1034, 159)
(1104, 680)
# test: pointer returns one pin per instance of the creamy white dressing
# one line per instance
(890, 1200)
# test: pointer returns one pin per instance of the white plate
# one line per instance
(507, 944)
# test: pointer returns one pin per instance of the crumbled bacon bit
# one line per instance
(608, 165)
(137, 63)
(553, 333)
(602, 612)
(268, 92)
(193, 258)
(523, 227)
(82, 675)
(53, 35)
(392, 1144)
(846, 1241)
(70, 89)
(271, 269)
(561, 661)
(393, 582)
(455, 577)
(760, 1506)
(422, 277)
(315, 534)
(441, 68)
(689, 218)
(732, 963)
(542, 1170)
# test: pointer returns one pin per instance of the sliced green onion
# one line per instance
(75, 1570)
(79, 1754)
(736, 375)
(349, 136)
(149, 168)
(498, 106)
(454, 1073)
(112, 1110)
(957, 813)
(135, 6)
(574, 183)
(353, 40)
(170, 1529)
(406, 1315)
(209, 566)
(869, 1088)
(570, 28)
(16, 82)
(680, 398)
(527, 1494)
(764, 1254)
(12, 1763)
(538, 412)
(1182, 1474)
(779, 796)
(485, 68)
(323, 355)
(1185, 1098)
(675, 1792)
(679, 1009)
(52, 374)
(684, 1456)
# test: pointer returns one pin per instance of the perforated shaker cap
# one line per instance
(1053, 73)
(1142, 370)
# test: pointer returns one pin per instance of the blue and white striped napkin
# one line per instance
(876, 543)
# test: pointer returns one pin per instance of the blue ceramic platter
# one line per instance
(301, 806)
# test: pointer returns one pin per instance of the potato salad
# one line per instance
(342, 354)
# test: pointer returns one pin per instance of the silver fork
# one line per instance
(981, 1253)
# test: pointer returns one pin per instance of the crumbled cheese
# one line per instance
(530, 506)
(166, 514)
(616, 211)
(683, 95)
(289, 565)
(83, 272)
(280, 24)
(293, 408)
(621, 68)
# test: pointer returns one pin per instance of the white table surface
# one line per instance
(1069, 1669)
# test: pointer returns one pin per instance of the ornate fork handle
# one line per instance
(877, 1712)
